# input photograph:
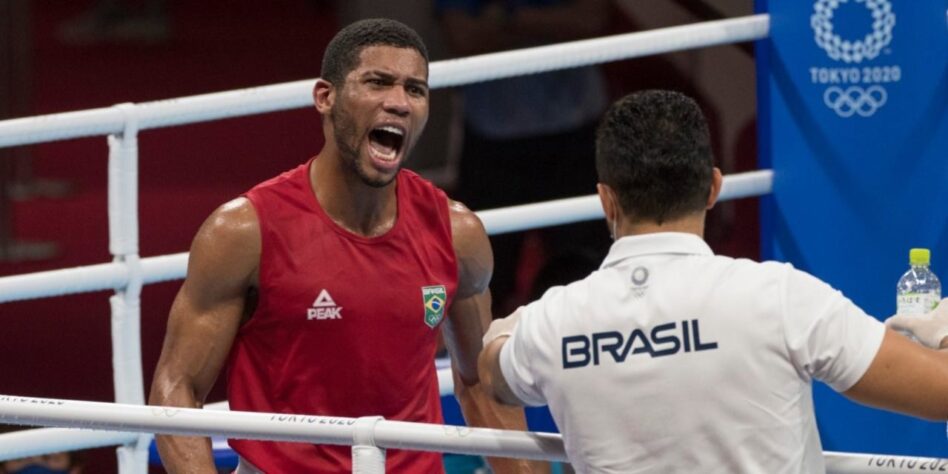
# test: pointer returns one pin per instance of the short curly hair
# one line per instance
(654, 149)
(342, 53)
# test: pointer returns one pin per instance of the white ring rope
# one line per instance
(504, 64)
(326, 430)
(297, 94)
(44, 440)
(584, 208)
(172, 267)
(277, 426)
(40, 441)
(88, 278)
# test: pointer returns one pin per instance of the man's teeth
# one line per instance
(388, 156)
(390, 129)
(383, 144)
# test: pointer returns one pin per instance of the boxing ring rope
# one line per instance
(497, 221)
(283, 427)
(368, 434)
(449, 73)
(127, 273)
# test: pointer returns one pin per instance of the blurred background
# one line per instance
(64, 56)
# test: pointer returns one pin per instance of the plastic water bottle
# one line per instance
(919, 290)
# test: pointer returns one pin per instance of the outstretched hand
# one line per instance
(931, 328)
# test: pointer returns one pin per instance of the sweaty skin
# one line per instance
(353, 176)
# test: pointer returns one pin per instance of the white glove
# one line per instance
(502, 327)
(930, 328)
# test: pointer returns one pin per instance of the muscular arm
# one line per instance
(467, 320)
(204, 319)
(905, 377)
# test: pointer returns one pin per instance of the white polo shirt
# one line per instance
(671, 359)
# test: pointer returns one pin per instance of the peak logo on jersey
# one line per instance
(434, 298)
(324, 308)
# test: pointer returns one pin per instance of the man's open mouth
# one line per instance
(386, 141)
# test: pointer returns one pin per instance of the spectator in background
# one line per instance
(529, 138)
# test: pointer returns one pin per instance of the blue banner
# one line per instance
(852, 118)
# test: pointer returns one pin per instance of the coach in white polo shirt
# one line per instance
(672, 359)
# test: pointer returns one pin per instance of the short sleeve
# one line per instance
(516, 356)
(828, 336)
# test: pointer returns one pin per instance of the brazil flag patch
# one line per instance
(435, 298)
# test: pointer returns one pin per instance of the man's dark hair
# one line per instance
(342, 54)
(653, 148)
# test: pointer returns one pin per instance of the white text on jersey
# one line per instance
(324, 308)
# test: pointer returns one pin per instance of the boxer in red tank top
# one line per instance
(324, 289)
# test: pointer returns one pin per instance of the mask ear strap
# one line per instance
(608, 200)
(615, 219)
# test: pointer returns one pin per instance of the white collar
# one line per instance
(655, 243)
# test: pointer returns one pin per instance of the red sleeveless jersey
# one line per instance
(345, 325)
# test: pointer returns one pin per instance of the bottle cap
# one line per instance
(920, 256)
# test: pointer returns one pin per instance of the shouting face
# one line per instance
(380, 111)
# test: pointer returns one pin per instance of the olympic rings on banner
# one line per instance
(855, 100)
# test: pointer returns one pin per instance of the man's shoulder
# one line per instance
(282, 196)
(752, 268)
(228, 241)
(463, 218)
(290, 177)
(235, 219)
(422, 196)
(417, 183)
(567, 299)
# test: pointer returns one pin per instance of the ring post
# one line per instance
(126, 302)
(367, 458)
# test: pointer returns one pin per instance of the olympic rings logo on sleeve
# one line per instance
(855, 100)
